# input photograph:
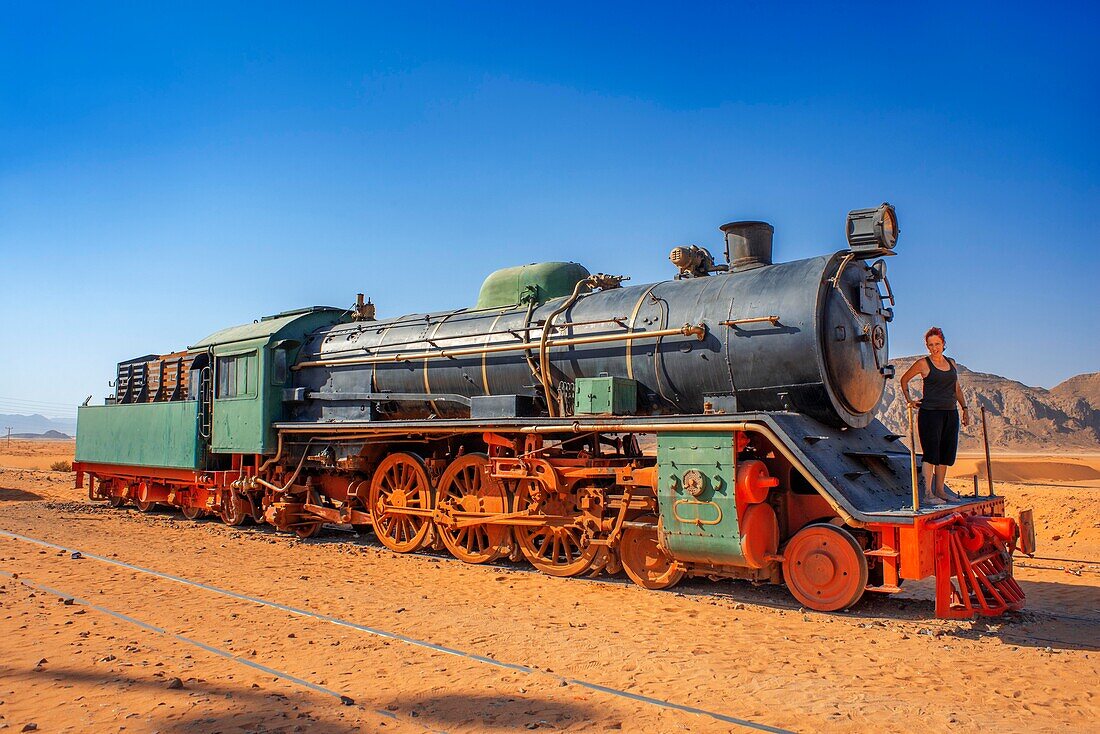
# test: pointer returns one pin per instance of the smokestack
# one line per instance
(748, 244)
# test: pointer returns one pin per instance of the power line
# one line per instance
(38, 407)
(36, 402)
(25, 410)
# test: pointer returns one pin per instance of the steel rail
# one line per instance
(316, 688)
(516, 667)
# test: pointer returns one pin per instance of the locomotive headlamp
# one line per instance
(873, 231)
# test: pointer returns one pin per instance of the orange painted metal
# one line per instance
(974, 566)
(467, 489)
(759, 535)
(753, 482)
(824, 568)
(644, 560)
(401, 482)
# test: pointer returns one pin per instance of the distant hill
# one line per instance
(48, 435)
(1020, 418)
(1083, 387)
(34, 424)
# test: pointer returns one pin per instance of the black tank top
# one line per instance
(939, 387)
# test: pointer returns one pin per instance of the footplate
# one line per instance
(974, 566)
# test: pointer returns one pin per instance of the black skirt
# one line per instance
(939, 435)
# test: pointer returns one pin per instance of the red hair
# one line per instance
(935, 331)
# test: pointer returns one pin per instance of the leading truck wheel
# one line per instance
(825, 568)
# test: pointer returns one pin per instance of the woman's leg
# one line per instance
(938, 489)
(928, 476)
(928, 429)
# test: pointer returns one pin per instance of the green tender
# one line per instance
(700, 528)
(538, 282)
(141, 434)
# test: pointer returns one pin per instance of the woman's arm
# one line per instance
(917, 368)
(960, 397)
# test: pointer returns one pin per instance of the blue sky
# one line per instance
(165, 173)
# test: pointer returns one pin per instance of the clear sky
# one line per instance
(166, 173)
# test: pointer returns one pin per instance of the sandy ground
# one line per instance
(27, 454)
(734, 651)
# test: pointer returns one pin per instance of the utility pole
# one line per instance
(9, 435)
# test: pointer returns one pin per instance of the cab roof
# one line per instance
(274, 327)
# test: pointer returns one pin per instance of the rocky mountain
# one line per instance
(1020, 418)
(1082, 387)
(48, 435)
(35, 424)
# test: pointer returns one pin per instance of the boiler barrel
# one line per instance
(823, 352)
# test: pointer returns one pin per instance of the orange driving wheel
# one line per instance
(824, 568)
(643, 559)
(467, 487)
(400, 502)
(556, 547)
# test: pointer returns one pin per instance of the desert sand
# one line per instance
(549, 654)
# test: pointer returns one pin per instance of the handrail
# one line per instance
(697, 330)
(913, 461)
(472, 335)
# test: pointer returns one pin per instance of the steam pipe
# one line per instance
(544, 338)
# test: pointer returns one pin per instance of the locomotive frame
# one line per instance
(753, 483)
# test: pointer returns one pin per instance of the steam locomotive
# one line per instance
(717, 424)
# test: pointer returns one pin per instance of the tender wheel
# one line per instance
(825, 568)
(466, 487)
(116, 501)
(553, 549)
(643, 559)
(236, 508)
(144, 506)
(401, 482)
(308, 530)
(192, 513)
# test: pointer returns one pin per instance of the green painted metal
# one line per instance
(269, 326)
(140, 434)
(702, 527)
(238, 423)
(538, 282)
(242, 424)
(605, 396)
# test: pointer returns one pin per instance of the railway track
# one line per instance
(219, 652)
(385, 634)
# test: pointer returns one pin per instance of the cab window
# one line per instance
(237, 376)
(278, 366)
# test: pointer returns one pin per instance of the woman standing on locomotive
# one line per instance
(937, 419)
